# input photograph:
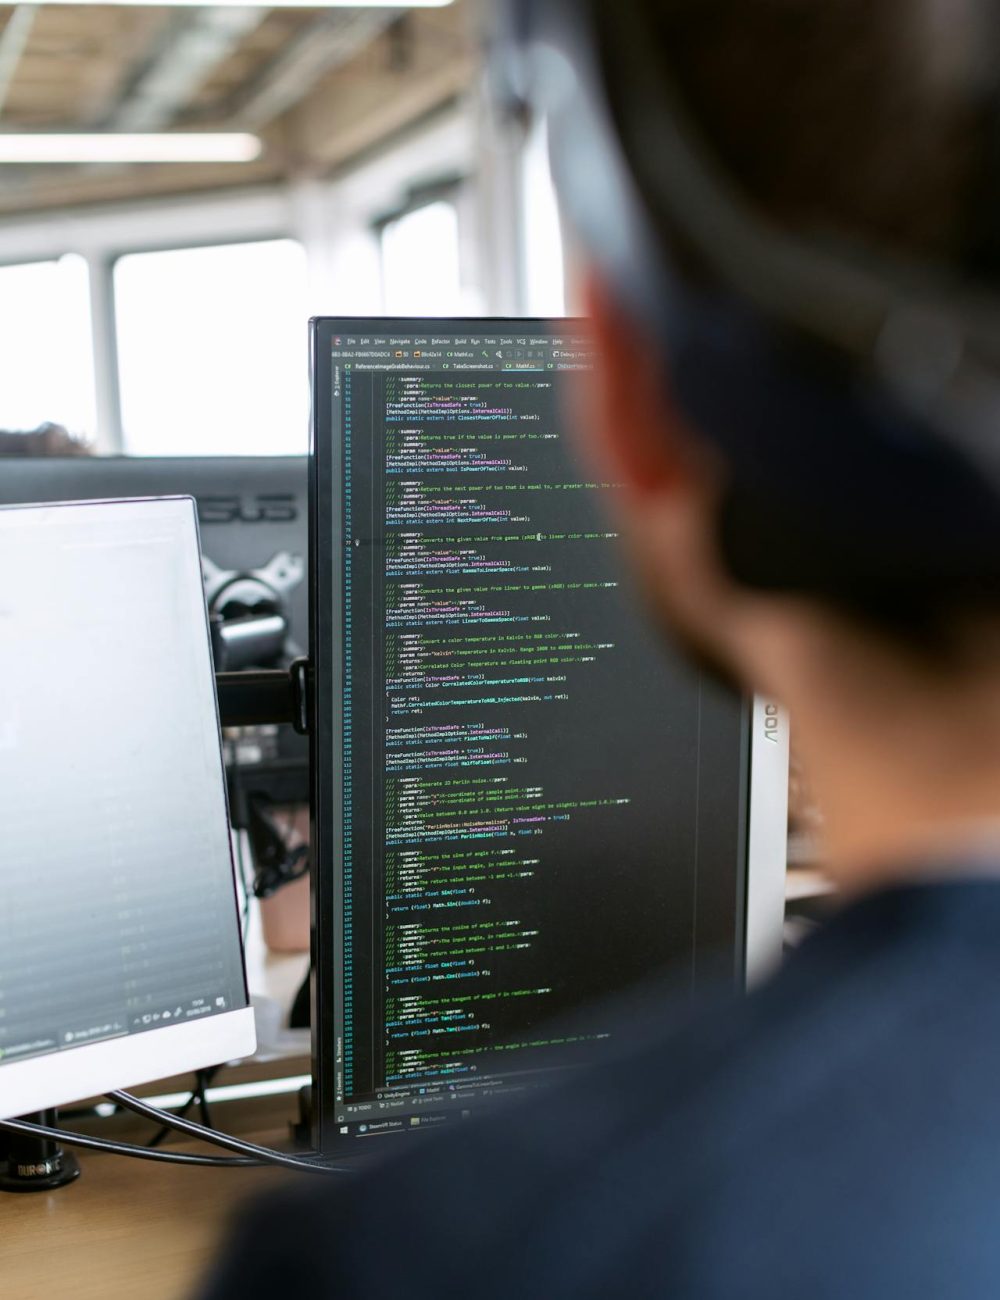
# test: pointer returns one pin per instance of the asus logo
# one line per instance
(268, 508)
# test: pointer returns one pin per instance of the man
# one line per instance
(788, 214)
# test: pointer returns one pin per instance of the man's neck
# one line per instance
(904, 761)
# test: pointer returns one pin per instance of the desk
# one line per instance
(125, 1230)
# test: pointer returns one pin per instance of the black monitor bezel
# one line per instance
(326, 662)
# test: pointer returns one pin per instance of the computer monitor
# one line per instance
(524, 806)
(252, 513)
(120, 949)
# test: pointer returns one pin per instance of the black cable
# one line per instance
(203, 1078)
(241, 863)
(247, 894)
(126, 1149)
(251, 1155)
(191, 1129)
(238, 817)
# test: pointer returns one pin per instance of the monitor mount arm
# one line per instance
(260, 696)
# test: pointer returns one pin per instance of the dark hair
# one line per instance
(876, 122)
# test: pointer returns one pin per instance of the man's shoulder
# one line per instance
(775, 1118)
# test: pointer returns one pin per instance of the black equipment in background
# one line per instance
(252, 516)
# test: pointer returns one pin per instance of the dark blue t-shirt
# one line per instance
(836, 1134)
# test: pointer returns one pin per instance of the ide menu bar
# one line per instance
(503, 352)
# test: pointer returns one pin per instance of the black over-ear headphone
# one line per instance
(855, 399)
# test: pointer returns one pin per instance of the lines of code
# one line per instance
(521, 802)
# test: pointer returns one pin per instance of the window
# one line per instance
(212, 350)
(421, 267)
(544, 275)
(46, 358)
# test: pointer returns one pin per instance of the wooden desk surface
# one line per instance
(125, 1228)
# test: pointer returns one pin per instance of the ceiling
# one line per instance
(319, 85)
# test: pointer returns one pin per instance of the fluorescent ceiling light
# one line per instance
(270, 4)
(109, 147)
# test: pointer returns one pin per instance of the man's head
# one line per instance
(789, 212)
(789, 219)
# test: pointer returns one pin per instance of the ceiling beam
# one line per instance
(325, 45)
(193, 45)
(12, 42)
(394, 80)
(407, 73)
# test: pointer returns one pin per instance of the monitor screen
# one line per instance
(118, 912)
(524, 805)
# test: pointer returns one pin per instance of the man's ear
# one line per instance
(630, 425)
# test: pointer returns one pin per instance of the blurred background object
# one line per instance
(47, 440)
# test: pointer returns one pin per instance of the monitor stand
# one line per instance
(36, 1164)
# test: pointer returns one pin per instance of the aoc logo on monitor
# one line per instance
(266, 508)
